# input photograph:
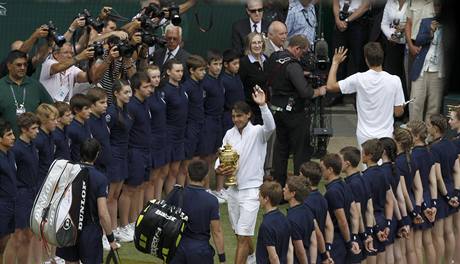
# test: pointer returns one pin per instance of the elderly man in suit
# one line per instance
(255, 23)
(173, 48)
(277, 36)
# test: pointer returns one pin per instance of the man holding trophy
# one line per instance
(241, 160)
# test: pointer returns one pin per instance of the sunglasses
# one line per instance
(260, 10)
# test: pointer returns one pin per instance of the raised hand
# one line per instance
(340, 55)
(259, 95)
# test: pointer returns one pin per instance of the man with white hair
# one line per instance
(277, 36)
(255, 23)
(173, 49)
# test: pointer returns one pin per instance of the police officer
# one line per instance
(291, 94)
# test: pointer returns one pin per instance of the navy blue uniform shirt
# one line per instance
(157, 105)
(214, 96)
(98, 186)
(392, 174)
(378, 185)
(119, 123)
(338, 196)
(77, 133)
(301, 220)
(195, 101)
(62, 143)
(233, 88)
(201, 208)
(273, 231)
(7, 176)
(318, 206)
(139, 135)
(445, 153)
(423, 161)
(456, 141)
(100, 131)
(404, 163)
(361, 194)
(26, 156)
(176, 112)
(45, 146)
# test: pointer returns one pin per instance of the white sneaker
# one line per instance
(220, 195)
(106, 244)
(251, 259)
(124, 234)
(132, 227)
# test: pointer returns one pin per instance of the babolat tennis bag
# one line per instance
(159, 227)
(59, 208)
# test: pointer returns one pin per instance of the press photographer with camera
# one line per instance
(59, 71)
(291, 94)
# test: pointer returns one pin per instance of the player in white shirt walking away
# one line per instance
(250, 142)
(379, 95)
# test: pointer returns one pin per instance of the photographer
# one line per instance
(291, 94)
(113, 65)
(59, 73)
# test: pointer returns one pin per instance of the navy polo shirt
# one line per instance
(201, 208)
(405, 165)
(379, 186)
(45, 146)
(101, 132)
(338, 196)
(214, 98)
(273, 231)
(98, 186)
(26, 156)
(301, 220)
(359, 190)
(176, 112)
(62, 143)
(318, 206)
(456, 141)
(423, 161)
(77, 133)
(195, 100)
(7, 176)
(139, 135)
(392, 174)
(119, 123)
(445, 153)
(157, 106)
(233, 88)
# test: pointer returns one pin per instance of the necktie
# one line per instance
(255, 28)
(170, 55)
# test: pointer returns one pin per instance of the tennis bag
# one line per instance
(58, 212)
(159, 227)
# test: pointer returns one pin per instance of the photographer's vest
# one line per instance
(282, 90)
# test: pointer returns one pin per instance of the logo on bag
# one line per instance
(156, 240)
(67, 224)
(2, 9)
(81, 216)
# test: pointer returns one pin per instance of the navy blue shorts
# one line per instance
(88, 248)
(393, 231)
(380, 220)
(339, 251)
(192, 139)
(176, 152)
(211, 136)
(159, 157)
(139, 164)
(24, 203)
(7, 224)
(118, 170)
(192, 251)
(357, 258)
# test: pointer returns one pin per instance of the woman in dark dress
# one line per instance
(252, 71)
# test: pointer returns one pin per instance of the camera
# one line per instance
(53, 35)
(151, 40)
(125, 49)
(154, 11)
(344, 13)
(91, 21)
(98, 49)
(174, 15)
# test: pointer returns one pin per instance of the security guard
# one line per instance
(291, 94)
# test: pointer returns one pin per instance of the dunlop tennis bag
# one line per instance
(159, 227)
(58, 213)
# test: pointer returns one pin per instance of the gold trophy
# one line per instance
(228, 157)
(451, 108)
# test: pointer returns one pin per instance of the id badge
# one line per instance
(21, 110)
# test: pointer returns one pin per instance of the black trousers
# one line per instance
(292, 136)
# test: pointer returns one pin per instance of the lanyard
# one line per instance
(16, 101)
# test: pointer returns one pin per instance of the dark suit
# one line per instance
(423, 39)
(160, 55)
(240, 29)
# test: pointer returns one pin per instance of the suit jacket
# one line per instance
(160, 54)
(269, 48)
(424, 40)
(240, 29)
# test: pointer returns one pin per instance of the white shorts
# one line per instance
(243, 206)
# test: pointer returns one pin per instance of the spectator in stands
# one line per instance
(252, 71)
(277, 36)
(173, 49)
(301, 19)
(242, 27)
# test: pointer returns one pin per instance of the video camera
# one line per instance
(317, 63)
(95, 23)
(53, 35)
